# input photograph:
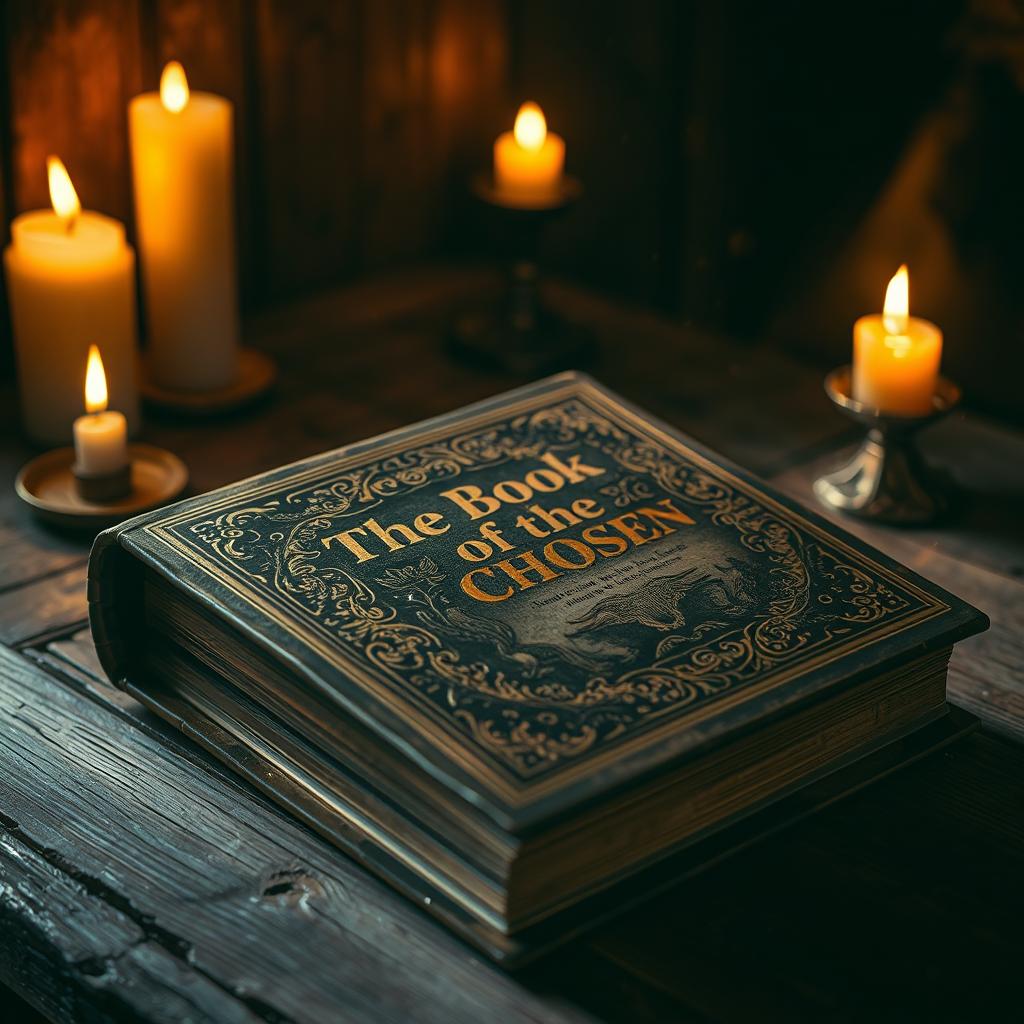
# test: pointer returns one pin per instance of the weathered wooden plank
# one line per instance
(27, 550)
(892, 904)
(251, 900)
(78, 957)
(75, 66)
(44, 608)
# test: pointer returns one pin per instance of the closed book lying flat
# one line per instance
(525, 659)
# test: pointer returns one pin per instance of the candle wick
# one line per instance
(70, 224)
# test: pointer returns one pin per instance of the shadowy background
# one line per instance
(759, 169)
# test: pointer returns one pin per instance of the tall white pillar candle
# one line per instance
(182, 170)
(70, 280)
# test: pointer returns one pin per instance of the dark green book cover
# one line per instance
(537, 598)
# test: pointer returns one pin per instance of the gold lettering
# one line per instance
(553, 480)
(587, 508)
(385, 534)
(632, 529)
(357, 549)
(557, 518)
(533, 564)
(508, 490)
(574, 471)
(574, 545)
(672, 513)
(600, 538)
(472, 501)
(471, 588)
(474, 550)
(427, 523)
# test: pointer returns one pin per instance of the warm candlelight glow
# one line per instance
(896, 356)
(62, 193)
(95, 382)
(896, 311)
(174, 88)
(530, 128)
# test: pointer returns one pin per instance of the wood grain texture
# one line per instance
(27, 550)
(44, 608)
(86, 960)
(225, 883)
(73, 68)
(308, 69)
(192, 892)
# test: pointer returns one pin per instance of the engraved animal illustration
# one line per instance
(665, 602)
(654, 604)
(732, 591)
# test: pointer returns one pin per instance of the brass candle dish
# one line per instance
(50, 487)
(886, 480)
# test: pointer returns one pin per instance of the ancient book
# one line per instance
(528, 660)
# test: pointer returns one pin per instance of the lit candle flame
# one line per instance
(174, 88)
(896, 310)
(530, 129)
(63, 196)
(95, 382)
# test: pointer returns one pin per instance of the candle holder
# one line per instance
(257, 373)
(59, 496)
(886, 480)
(518, 333)
(105, 488)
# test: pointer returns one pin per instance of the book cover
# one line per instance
(535, 599)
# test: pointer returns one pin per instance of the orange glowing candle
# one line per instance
(896, 356)
(528, 160)
(71, 278)
(183, 174)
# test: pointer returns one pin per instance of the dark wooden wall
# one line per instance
(354, 118)
(731, 151)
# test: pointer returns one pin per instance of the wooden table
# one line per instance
(139, 877)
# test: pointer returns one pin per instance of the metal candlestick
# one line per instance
(886, 480)
(519, 334)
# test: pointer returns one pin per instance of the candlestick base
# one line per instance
(517, 333)
(886, 480)
(256, 375)
(49, 486)
(102, 490)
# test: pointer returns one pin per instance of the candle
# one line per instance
(896, 355)
(184, 209)
(528, 160)
(100, 435)
(70, 277)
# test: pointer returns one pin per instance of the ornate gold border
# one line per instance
(448, 740)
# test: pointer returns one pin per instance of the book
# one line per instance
(528, 659)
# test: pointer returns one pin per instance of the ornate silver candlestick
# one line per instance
(886, 480)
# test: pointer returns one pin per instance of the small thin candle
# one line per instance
(100, 435)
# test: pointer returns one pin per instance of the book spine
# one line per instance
(111, 571)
